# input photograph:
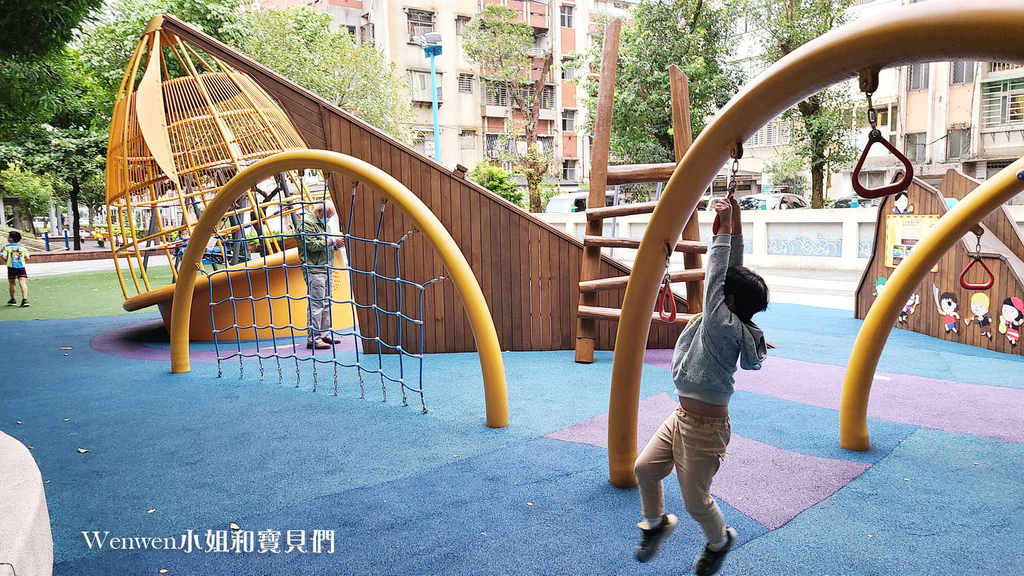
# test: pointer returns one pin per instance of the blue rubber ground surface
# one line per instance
(439, 493)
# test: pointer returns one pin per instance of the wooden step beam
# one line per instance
(613, 314)
(695, 275)
(687, 246)
(640, 173)
(620, 210)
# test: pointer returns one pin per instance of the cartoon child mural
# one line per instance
(901, 204)
(981, 316)
(947, 306)
(1011, 319)
(879, 285)
(909, 308)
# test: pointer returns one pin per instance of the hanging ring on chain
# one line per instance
(875, 137)
(976, 259)
(667, 301)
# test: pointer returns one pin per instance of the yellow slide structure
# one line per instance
(927, 31)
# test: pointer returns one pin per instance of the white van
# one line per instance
(575, 202)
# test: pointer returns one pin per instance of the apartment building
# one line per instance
(963, 115)
(474, 111)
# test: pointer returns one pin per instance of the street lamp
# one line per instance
(431, 43)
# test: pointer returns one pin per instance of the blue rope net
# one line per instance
(281, 340)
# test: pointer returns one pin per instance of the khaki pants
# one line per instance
(319, 317)
(695, 446)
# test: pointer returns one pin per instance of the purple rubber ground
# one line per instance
(975, 409)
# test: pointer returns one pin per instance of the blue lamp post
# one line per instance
(431, 43)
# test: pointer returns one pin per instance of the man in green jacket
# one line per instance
(316, 249)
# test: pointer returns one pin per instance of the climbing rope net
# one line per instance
(284, 337)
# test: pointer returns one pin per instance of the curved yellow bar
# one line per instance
(934, 30)
(495, 393)
(853, 408)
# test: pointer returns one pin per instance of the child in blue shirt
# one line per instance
(694, 438)
(15, 256)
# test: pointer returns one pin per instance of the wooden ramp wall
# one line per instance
(528, 270)
(1002, 251)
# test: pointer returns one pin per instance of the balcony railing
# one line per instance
(1003, 66)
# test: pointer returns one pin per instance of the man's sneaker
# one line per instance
(651, 539)
(12, 302)
(24, 303)
(710, 561)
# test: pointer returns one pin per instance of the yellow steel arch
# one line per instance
(853, 409)
(926, 31)
(495, 393)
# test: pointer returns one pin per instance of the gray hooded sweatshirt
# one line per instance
(704, 360)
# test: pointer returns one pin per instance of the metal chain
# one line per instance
(872, 117)
(732, 176)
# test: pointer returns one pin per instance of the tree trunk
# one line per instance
(76, 187)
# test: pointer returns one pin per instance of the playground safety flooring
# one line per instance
(184, 458)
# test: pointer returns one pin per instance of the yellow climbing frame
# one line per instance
(987, 30)
(495, 393)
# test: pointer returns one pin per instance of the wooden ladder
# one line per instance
(601, 176)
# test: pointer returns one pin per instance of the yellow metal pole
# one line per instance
(853, 408)
(987, 30)
(491, 363)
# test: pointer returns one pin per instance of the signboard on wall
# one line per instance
(902, 233)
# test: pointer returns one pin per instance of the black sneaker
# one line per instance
(651, 539)
(710, 561)
(12, 302)
(24, 303)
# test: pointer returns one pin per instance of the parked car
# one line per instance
(772, 202)
(854, 202)
(574, 202)
(707, 202)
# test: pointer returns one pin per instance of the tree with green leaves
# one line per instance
(34, 192)
(692, 34)
(497, 180)
(821, 129)
(300, 44)
(504, 49)
(35, 28)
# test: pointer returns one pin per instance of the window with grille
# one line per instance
(872, 179)
(1002, 102)
(424, 142)
(496, 94)
(547, 98)
(366, 33)
(915, 146)
(546, 144)
(958, 143)
(917, 76)
(568, 70)
(419, 86)
(961, 72)
(569, 166)
(775, 133)
(992, 167)
(460, 24)
(491, 143)
(467, 140)
(568, 120)
(565, 13)
(466, 83)
(420, 22)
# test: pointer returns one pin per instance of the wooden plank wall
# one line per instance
(527, 269)
(927, 200)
